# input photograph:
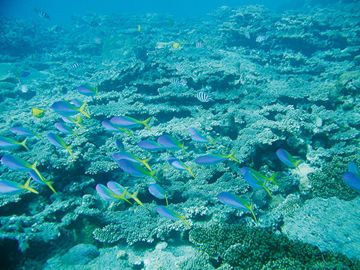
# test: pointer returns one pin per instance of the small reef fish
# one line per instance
(67, 109)
(42, 14)
(87, 91)
(19, 164)
(210, 159)
(165, 212)
(23, 131)
(119, 189)
(8, 143)
(37, 112)
(63, 128)
(74, 66)
(158, 192)
(110, 127)
(203, 97)
(255, 179)
(132, 158)
(108, 195)
(73, 120)
(57, 141)
(177, 164)
(134, 169)
(236, 202)
(196, 136)
(286, 158)
(352, 177)
(169, 142)
(9, 187)
(129, 122)
(150, 145)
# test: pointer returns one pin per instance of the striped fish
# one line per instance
(74, 66)
(203, 97)
(42, 14)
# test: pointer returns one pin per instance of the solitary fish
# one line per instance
(19, 164)
(37, 112)
(253, 181)
(87, 91)
(23, 131)
(8, 143)
(132, 158)
(203, 97)
(108, 195)
(119, 190)
(67, 109)
(169, 142)
(150, 145)
(42, 14)
(57, 141)
(286, 158)
(63, 128)
(236, 202)
(158, 192)
(196, 136)
(134, 169)
(129, 122)
(210, 159)
(172, 215)
(10, 187)
(177, 164)
(110, 127)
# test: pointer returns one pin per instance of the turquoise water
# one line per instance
(158, 135)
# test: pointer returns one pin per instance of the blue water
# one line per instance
(184, 135)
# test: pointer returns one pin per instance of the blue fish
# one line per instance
(196, 136)
(129, 122)
(210, 159)
(177, 164)
(9, 187)
(132, 158)
(134, 169)
(109, 195)
(286, 158)
(120, 190)
(62, 127)
(150, 145)
(57, 141)
(67, 109)
(73, 120)
(88, 91)
(257, 180)
(236, 202)
(158, 192)
(172, 215)
(19, 164)
(353, 169)
(352, 180)
(8, 143)
(110, 127)
(23, 131)
(169, 142)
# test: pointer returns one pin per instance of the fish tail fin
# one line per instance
(250, 207)
(68, 149)
(136, 199)
(297, 162)
(146, 164)
(33, 167)
(267, 190)
(23, 144)
(146, 122)
(232, 157)
(153, 175)
(96, 89)
(84, 110)
(50, 185)
(184, 220)
(166, 200)
(189, 170)
(272, 179)
(26, 186)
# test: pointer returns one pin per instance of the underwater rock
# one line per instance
(314, 223)
(80, 254)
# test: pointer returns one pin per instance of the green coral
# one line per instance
(250, 248)
(328, 182)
